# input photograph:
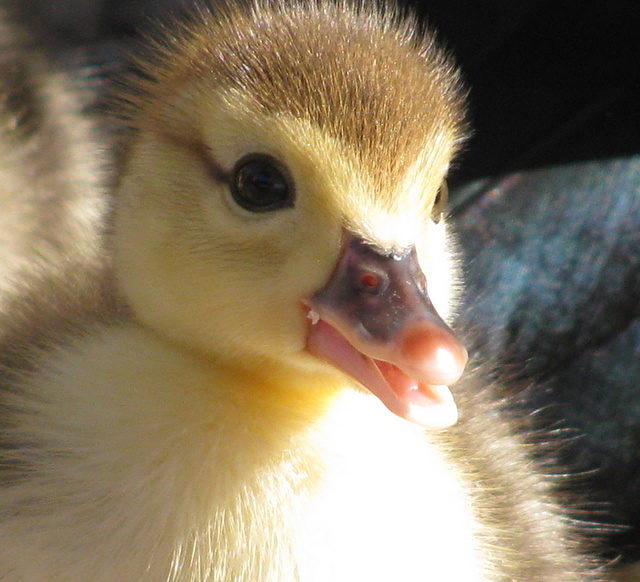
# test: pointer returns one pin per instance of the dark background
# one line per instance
(546, 202)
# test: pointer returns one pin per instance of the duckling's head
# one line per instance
(281, 202)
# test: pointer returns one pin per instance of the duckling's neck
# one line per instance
(293, 398)
(267, 390)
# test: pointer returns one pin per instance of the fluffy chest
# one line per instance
(364, 497)
(388, 505)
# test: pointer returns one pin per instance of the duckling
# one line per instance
(260, 390)
(51, 192)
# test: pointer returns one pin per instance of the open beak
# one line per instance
(374, 321)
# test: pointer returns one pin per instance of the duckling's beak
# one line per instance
(374, 321)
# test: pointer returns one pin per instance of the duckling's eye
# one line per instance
(259, 183)
(440, 203)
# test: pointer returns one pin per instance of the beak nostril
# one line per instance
(370, 280)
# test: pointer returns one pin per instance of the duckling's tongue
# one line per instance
(374, 321)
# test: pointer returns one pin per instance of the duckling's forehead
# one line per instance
(340, 181)
(356, 75)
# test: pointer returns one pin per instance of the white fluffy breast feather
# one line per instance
(162, 479)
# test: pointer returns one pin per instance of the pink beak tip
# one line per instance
(434, 351)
